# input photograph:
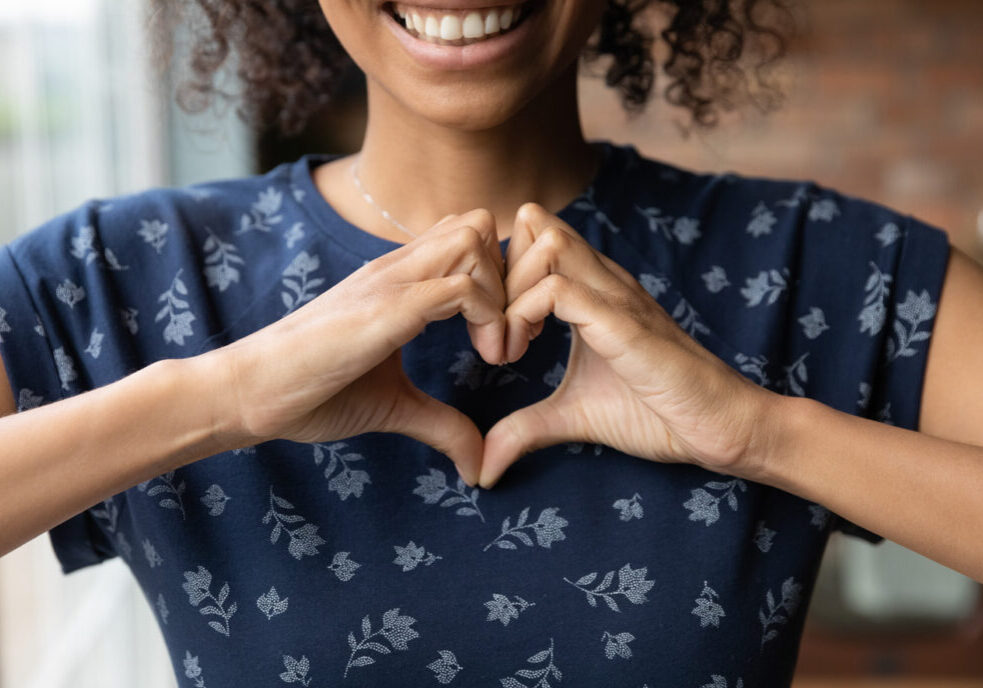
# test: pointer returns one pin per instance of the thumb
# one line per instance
(443, 427)
(536, 426)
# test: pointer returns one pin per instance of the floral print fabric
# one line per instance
(366, 561)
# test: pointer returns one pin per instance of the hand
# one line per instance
(333, 369)
(635, 381)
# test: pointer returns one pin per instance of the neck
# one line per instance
(539, 154)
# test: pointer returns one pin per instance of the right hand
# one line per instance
(333, 369)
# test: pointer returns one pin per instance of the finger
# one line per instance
(602, 324)
(442, 427)
(532, 219)
(556, 250)
(442, 297)
(533, 427)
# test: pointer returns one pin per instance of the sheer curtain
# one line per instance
(81, 116)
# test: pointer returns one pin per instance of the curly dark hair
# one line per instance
(290, 63)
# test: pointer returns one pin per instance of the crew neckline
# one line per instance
(369, 246)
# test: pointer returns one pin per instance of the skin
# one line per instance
(492, 138)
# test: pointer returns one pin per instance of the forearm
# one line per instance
(920, 491)
(64, 457)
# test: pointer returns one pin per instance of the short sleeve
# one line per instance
(39, 360)
(894, 396)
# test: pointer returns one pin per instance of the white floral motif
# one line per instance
(154, 232)
(688, 319)
(762, 220)
(346, 482)
(28, 400)
(434, 486)
(685, 230)
(263, 213)
(617, 645)
(300, 267)
(70, 293)
(501, 608)
(915, 310)
(197, 584)
(445, 667)
(192, 670)
(876, 292)
(794, 374)
(296, 670)
(824, 209)
(653, 284)
(153, 559)
(162, 609)
(707, 608)
(471, 370)
(66, 367)
(541, 674)
(38, 327)
(129, 318)
(820, 516)
(4, 326)
(578, 447)
(814, 323)
(884, 415)
(721, 682)
(83, 248)
(95, 343)
(791, 593)
(631, 583)
(177, 310)
(548, 529)
(754, 365)
(270, 603)
(343, 567)
(704, 506)
(303, 539)
(410, 556)
(110, 513)
(864, 401)
(715, 279)
(220, 256)
(165, 485)
(294, 234)
(630, 508)
(763, 537)
(889, 234)
(590, 205)
(554, 376)
(756, 288)
(395, 629)
(215, 499)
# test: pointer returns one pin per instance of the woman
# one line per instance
(677, 384)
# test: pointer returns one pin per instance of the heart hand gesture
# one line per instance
(635, 381)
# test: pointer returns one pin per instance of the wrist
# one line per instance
(207, 382)
(780, 424)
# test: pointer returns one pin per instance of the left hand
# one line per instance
(635, 380)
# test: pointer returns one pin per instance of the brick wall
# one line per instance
(884, 100)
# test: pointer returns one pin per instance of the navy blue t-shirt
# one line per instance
(365, 562)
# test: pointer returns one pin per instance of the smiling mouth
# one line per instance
(459, 27)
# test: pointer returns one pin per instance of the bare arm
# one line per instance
(62, 458)
(924, 489)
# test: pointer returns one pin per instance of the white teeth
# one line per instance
(491, 23)
(454, 26)
(506, 19)
(473, 27)
(450, 27)
(432, 27)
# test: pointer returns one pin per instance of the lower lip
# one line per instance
(461, 57)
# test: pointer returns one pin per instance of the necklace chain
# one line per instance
(365, 194)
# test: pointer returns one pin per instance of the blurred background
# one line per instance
(884, 100)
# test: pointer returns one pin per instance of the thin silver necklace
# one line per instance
(365, 194)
